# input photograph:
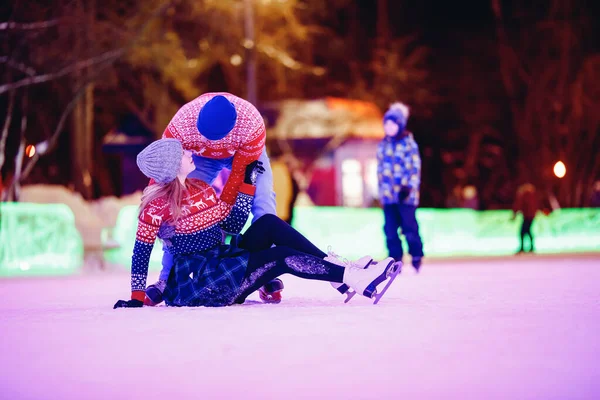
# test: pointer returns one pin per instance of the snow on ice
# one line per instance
(505, 328)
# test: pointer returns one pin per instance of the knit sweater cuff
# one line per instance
(138, 295)
(247, 189)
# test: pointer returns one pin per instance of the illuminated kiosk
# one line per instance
(336, 142)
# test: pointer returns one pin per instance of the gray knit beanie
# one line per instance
(161, 160)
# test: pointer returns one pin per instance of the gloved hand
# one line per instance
(128, 304)
(252, 171)
(404, 193)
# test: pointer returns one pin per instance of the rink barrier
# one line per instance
(38, 239)
(41, 239)
(355, 232)
(452, 232)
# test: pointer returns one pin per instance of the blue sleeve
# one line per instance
(139, 265)
(264, 199)
(413, 166)
(207, 169)
(398, 166)
(144, 242)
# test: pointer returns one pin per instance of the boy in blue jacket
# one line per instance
(399, 175)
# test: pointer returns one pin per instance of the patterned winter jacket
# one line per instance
(398, 164)
(244, 143)
(199, 229)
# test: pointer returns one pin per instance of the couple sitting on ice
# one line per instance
(181, 208)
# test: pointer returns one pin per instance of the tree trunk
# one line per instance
(14, 191)
(82, 131)
(82, 142)
(6, 128)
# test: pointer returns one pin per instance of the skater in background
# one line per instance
(222, 131)
(527, 202)
(399, 176)
(285, 185)
(189, 218)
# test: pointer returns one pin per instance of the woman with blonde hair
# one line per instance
(187, 215)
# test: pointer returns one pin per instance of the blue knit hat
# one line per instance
(161, 160)
(398, 113)
(217, 118)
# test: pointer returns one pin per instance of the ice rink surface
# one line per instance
(524, 327)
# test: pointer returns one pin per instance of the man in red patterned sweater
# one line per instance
(223, 131)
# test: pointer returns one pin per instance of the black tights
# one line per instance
(271, 230)
(526, 231)
(294, 254)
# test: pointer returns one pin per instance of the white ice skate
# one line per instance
(365, 281)
(362, 262)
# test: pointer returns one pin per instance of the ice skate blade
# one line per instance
(349, 295)
(390, 273)
(372, 288)
(399, 265)
(378, 296)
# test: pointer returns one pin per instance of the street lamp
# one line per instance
(560, 170)
(30, 151)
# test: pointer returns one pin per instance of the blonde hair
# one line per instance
(173, 192)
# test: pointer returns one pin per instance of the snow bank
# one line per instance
(94, 220)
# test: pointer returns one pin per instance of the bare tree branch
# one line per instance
(5, 127)
(140, 114)
(15, 186)
(112, 56)
(28, 26)
(63, 119)
(18, 66)
(81, 91)
(507, 53)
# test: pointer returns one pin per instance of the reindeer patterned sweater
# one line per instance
(244, 143)
(199, 228)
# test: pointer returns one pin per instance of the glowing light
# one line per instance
(352, 183)
(560, 170)
(30, 151)
(235, 60)
(469, 192)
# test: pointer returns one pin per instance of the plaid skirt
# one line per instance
(211, 278)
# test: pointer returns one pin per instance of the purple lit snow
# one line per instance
(510, 328)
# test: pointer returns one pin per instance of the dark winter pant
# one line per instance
(526, 231)
(402, 216)
(293, 254)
